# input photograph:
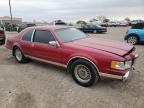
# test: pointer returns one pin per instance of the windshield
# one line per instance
(70, 34)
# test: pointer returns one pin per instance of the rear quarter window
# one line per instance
(27, 36)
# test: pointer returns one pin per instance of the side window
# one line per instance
(27, 36)
(138, 26)
(86, 26)
(43, 36)
(92, 26)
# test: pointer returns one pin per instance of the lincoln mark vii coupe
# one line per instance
(87, 59)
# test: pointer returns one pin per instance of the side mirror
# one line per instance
(54, 43)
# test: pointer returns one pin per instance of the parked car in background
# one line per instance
(23, 26)
(133, 22)
(90, 28)
(123, 23)
(113, 24)
(135, 34)
(86, 58)
(2, 36)
(58, 22)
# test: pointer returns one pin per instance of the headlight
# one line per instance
(128, 64)
(121, 65)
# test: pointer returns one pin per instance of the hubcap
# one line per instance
(82, 73)
(18, 55)
(132, 40)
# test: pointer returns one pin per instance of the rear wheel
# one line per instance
(132, 40)
(19, 55)
(84, 73)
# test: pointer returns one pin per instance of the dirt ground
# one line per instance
(39, 85)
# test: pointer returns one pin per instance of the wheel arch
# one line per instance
(133, 34)
(72, 59)
(15, 46)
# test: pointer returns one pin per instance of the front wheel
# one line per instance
(84, 73)
(132, 40)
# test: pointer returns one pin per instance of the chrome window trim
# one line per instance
(85, 59)
(32, 38)
(32, 35)
(47, 61)
(33, 30)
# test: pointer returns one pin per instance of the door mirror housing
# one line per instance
(54, 43)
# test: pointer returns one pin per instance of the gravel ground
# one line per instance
(39, 85)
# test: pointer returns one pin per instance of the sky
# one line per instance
(72, 10)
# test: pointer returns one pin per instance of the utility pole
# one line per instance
(10, 11)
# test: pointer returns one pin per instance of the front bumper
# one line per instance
(123, 78)
(127, 73)
(126, 76)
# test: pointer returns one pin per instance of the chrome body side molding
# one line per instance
(101, 74)
(110, 75)
(46, 61)
(124, 78)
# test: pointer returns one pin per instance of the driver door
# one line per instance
(42, 49)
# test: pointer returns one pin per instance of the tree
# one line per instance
(101, 18)
(93, 20)
(81, 22)
(106, 20)
(127, 19)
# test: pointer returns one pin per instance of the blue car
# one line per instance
(135, 35)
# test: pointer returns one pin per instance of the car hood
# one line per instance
(115, 47)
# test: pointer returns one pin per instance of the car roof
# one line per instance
(49, 27)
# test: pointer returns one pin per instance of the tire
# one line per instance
(84, 73)
(19, 56)
(132, 39)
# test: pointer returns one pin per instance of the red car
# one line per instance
(2, 36)
(87, 59)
